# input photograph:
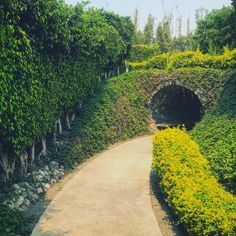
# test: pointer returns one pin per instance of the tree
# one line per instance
(51, 57)
(233, 2)
(200, 14)
(216, 30)
(148, 32)
(136, 19)
(163, 34)
(188, 26)
(124, 27)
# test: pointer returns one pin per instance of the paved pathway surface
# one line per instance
(109, 197)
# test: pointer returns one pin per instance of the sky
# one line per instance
(186, 8)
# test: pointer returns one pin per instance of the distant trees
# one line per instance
(233, 2)
(148, 32)
(163, 34)
(214, 31)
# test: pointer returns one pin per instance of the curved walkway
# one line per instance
(109, 196)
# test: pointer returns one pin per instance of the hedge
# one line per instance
(188, 59)
(193, 193)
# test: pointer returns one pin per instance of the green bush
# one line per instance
(143, 52)
(12, 222)
(188, 59)
(216, 136)
(198, 59)
(156, 62)
(194, 194)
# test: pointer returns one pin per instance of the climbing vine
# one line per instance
(52, 56)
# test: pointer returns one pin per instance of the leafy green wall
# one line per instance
(216, 135)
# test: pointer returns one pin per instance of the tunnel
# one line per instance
(175, 105)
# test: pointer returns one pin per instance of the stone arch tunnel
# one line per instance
(181, 96)
(176, 105)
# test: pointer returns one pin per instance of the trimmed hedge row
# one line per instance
(188, 59)
(194, 194)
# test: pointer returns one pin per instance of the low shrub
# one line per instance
(188, 59)
(198, 59)
(12, 222)
(156, 62)
(199, 201)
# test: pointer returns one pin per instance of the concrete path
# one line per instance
(109, 197)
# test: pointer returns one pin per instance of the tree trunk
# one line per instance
(24, 161)
(73, 117)
(55, 132)
(99, 79)
(105, 75)
(44, 148)
(118, 70)
(109, 75)
(59, 126)
(68, 121)
(32, 154)
(7, 165)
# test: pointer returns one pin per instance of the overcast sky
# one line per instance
(185, 7)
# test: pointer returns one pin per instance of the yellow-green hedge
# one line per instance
(188, 59)
(199, 201)
(157, 62)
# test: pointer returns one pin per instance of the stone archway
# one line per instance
(176, 105)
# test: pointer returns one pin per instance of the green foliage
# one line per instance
(125, 28)
(15, 73)
(120, 108)
(189, 59)
(216, 136)
(51, 57)
(148, 33)
(191, 190)
(233, 3)
(217, 30)
(183, 43)
(163, 34)
(115, 113)
(12, 222)
(157, 62)
(142, 52)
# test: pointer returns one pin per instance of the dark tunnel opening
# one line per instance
(175, 105)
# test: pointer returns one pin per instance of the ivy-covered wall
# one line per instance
(216, 136)
(207, 84)
(122, 107)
